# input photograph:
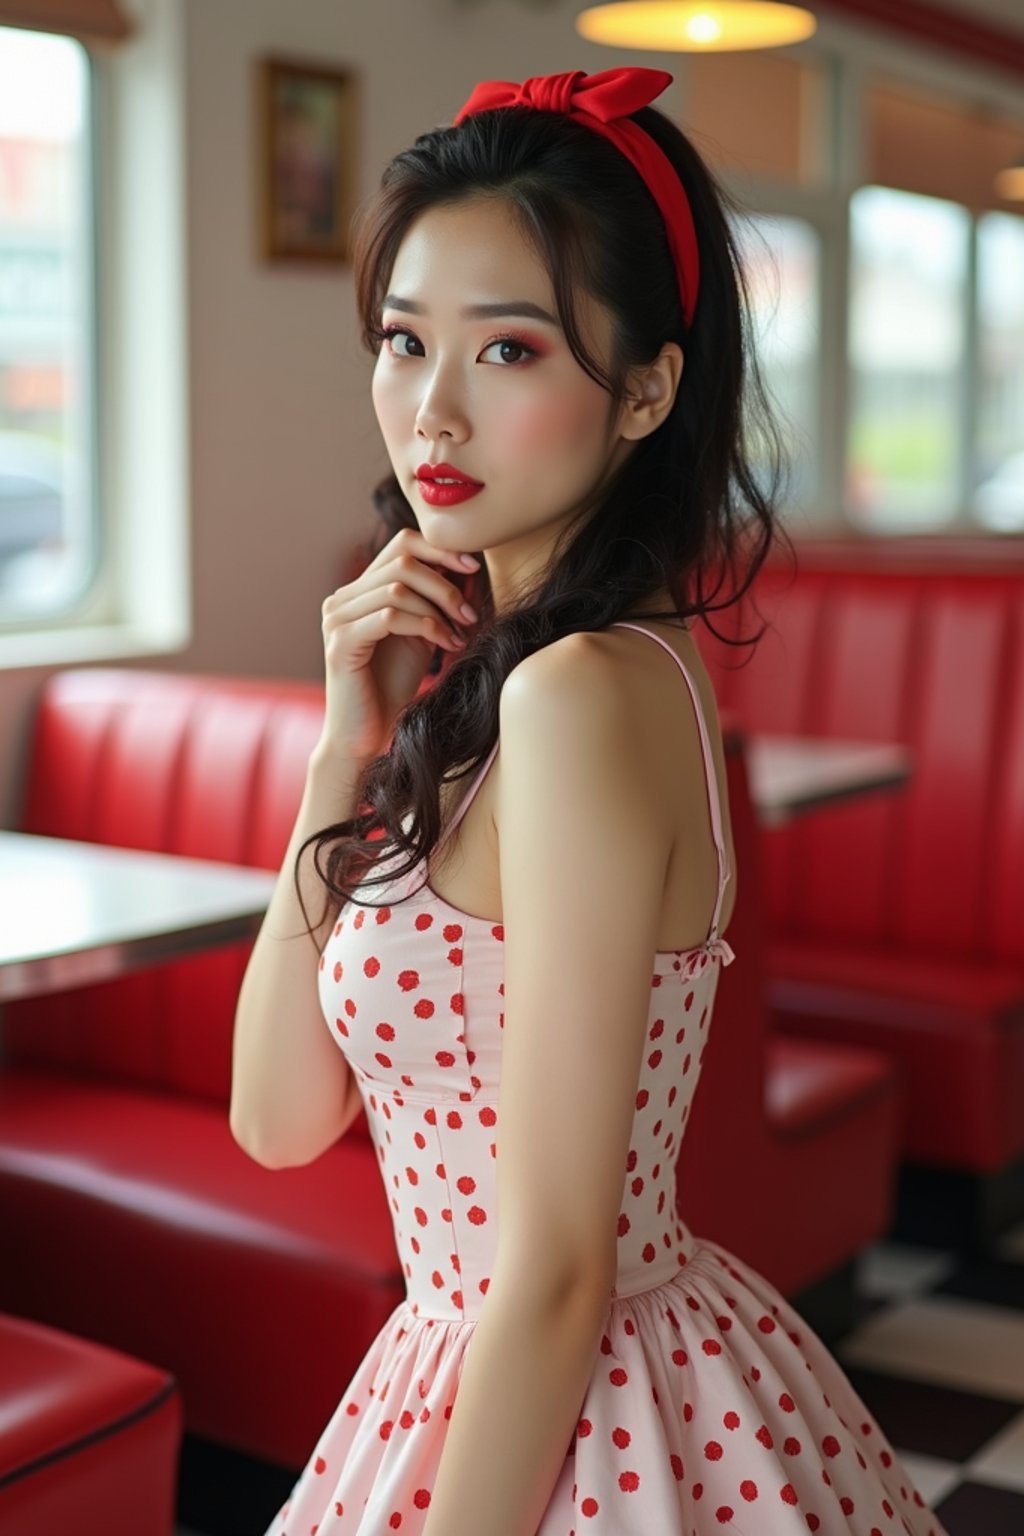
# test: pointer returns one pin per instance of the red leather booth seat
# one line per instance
(896, 920)
(89, 1438)
(790, 1150)
(260, 1289)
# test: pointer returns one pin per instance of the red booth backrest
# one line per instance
(210, 767)
(914, 653)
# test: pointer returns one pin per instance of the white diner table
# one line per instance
(791, 775)
(73, 913)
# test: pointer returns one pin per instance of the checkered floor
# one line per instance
(938, 1356)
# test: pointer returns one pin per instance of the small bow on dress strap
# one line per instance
(714, 946)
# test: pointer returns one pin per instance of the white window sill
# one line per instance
(88, 643)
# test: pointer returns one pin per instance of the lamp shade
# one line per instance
(1010, 182)
(696, 26)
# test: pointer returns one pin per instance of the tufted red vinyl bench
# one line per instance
(896, 920)
(89, 1438)
(262, 1289)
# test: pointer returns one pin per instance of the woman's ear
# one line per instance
(651, 392)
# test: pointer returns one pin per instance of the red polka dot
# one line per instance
(749, 1490)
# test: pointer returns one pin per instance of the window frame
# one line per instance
(853, 57)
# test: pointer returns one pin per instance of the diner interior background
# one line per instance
(236, 442)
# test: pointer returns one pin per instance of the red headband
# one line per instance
(603, 102)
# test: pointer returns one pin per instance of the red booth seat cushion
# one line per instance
(89, 1437)
(274, 1258)
(955, 1026)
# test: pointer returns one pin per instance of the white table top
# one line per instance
(790, 775)
(72, 913)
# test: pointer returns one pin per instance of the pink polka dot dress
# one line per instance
(712, 1406)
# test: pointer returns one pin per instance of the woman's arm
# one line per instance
(293, 1093)
(584, 855)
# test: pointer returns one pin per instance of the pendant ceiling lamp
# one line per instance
(1010, 183)
(696, 26)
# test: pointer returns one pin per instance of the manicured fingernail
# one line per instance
(471, 561)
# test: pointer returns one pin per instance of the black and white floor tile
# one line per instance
(937, 1354)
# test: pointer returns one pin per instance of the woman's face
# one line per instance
(519, 414)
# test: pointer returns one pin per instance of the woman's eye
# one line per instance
(394, 334)
(510, 341)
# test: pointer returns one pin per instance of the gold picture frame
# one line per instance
(307, 161)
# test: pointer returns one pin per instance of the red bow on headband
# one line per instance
(604, 102)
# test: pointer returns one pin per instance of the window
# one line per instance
(781, 258)
(998, 494)
(48, 535)
(908, 286)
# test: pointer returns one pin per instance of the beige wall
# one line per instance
(283, 446)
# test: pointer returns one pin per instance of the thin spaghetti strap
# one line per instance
(710, 776)
(467, 798)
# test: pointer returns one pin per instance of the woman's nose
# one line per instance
(441, 411)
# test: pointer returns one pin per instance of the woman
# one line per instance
(560, 325)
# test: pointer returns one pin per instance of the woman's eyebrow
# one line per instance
(524, 308)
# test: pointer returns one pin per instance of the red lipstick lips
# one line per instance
(442, 485)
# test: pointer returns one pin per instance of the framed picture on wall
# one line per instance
(307, 160)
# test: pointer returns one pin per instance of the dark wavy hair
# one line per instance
(687, 501)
